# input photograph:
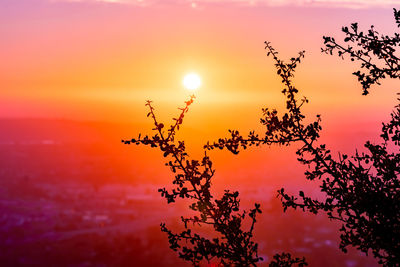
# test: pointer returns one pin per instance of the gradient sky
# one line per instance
(101, 59)
(94, 63)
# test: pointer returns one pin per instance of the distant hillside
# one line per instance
(64, 131)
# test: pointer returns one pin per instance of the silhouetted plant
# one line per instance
(286, 260)
(361, 191)
(232, 244)
(376, 53)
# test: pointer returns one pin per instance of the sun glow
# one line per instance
(191, 81)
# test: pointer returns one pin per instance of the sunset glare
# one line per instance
(132, 128)
(191, 81)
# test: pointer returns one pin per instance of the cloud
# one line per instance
(308, 3)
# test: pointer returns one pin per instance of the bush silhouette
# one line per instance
(362, 191)
(193, 181)
(232, 244)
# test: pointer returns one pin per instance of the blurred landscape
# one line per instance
(73, 195)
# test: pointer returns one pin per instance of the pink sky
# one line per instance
(100, 60)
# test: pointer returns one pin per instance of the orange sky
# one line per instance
(97, 60)
(88, 66)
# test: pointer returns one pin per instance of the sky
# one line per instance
(100, 60)
(79, 63)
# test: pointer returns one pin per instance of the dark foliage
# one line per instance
(363, 190)
(286, 260)
(232, 245)
(375, 52)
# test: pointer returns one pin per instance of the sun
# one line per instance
(191, 81)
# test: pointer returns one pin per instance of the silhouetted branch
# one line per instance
(286, 260)
(193, 181)
(361, 191)
(376, 53)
